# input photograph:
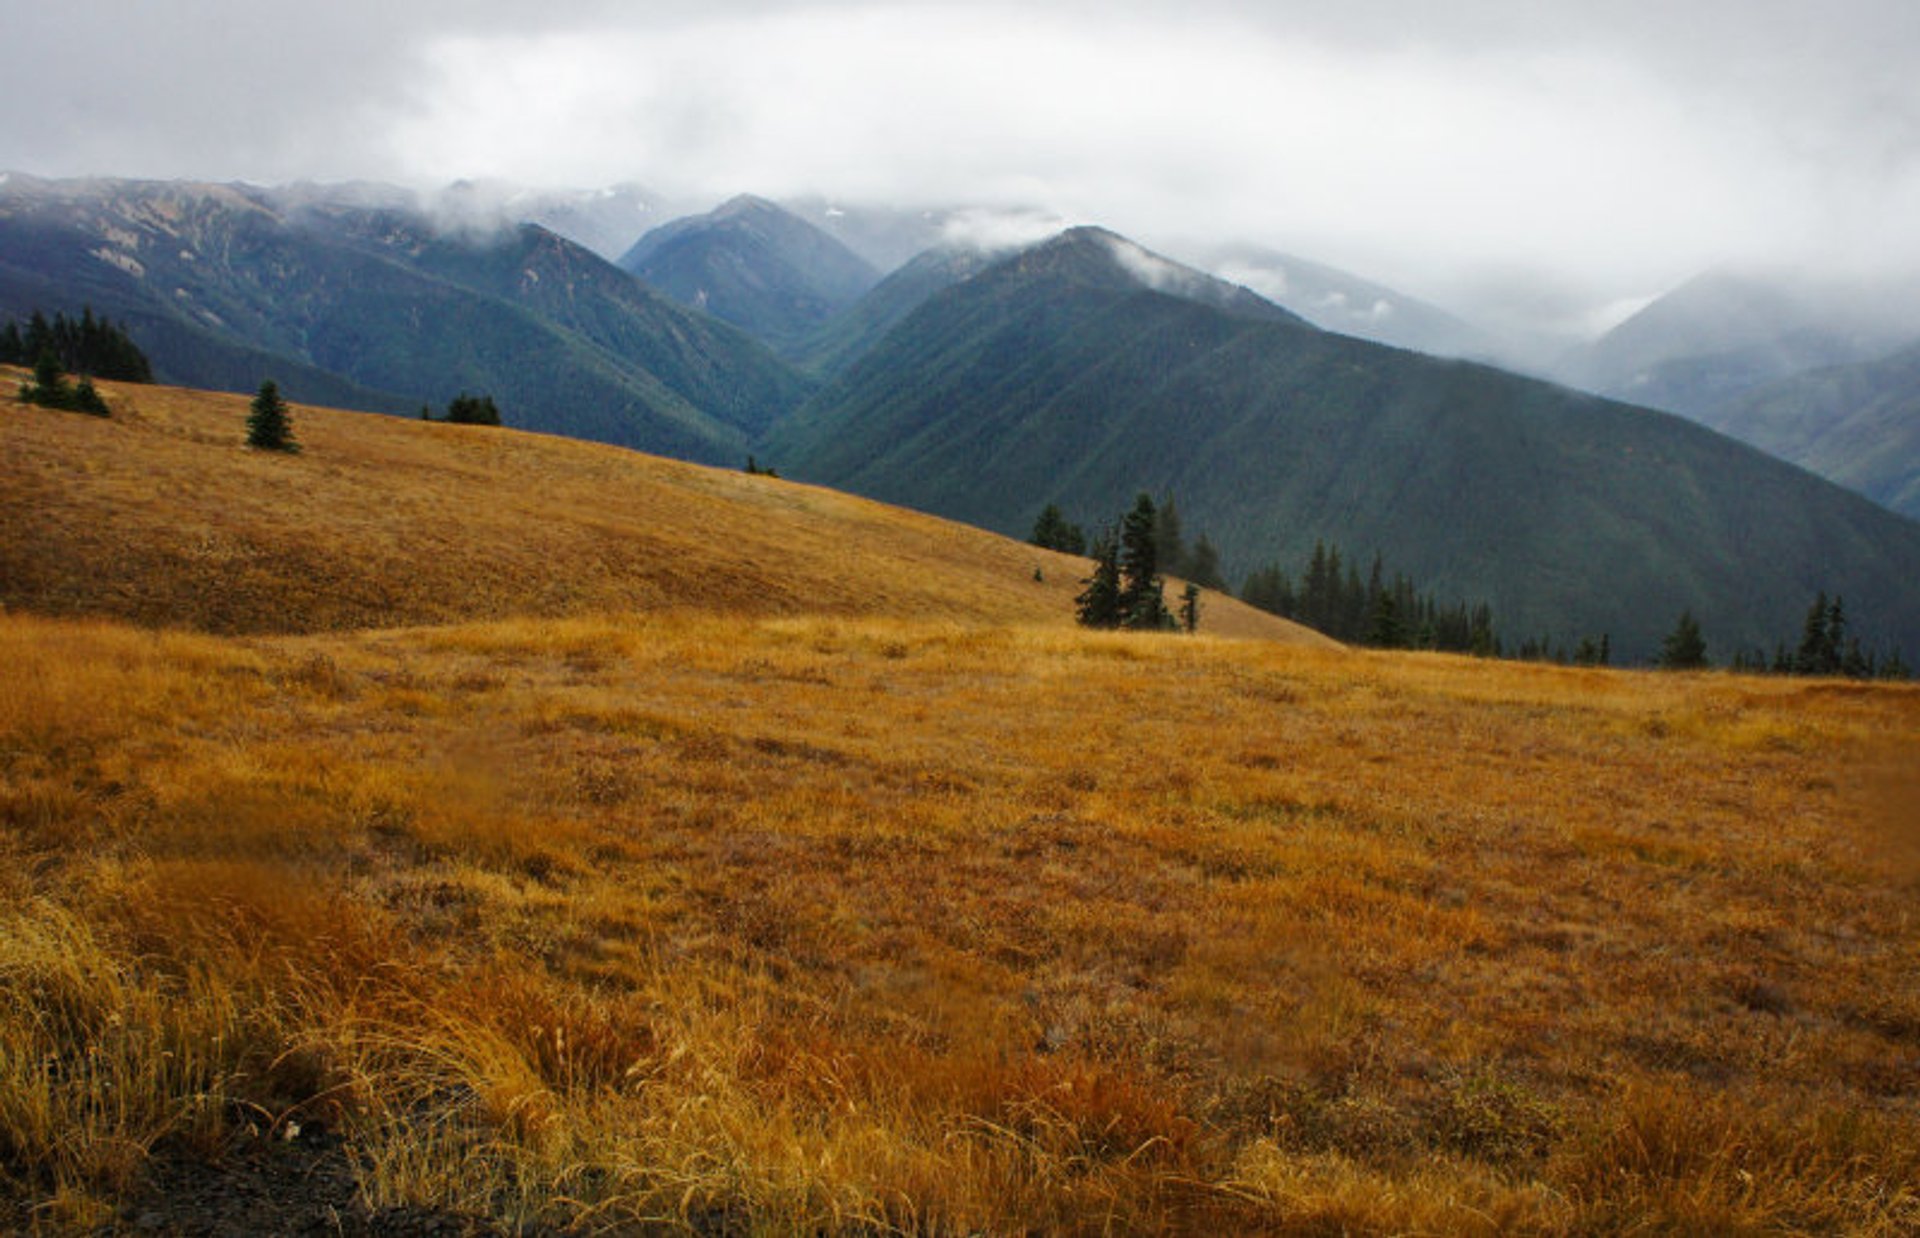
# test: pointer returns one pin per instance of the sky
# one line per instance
(1550, 161)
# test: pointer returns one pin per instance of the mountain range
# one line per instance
(752, 264)
(1060, 375)
(374, 307)
(981, 384)
(1728, 331)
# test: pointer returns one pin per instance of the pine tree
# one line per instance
(1816, 655)
(1170, 546)
(1383, 623)
(1052, 531)
(1270, 590)
(1190, 608)
(1098, 605)
(87, 400)
(1684, 648)
(1143, 604)
(269, 423)
(1481, 641)
(1203, 565)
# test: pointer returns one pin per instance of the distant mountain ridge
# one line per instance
(1858, 425)
(1059, 375)
(1728, 331)
(755, 265)
(373, 306)
(1336, 300)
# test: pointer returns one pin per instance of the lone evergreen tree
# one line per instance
(1098, 605)
(1684, 649)
(269, 423)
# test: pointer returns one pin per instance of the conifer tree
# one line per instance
(1052, 531)
(1816, 655)
(49, 387)
(1203, 565)
(1170, 545)
(1190, 608)
(1684, 648)
(1383, 622)
(1098, 605)
(87, 400)
(1143, 604)
(269, 423)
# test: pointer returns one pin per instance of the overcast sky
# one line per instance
(1483, 151)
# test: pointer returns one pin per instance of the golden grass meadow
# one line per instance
(686, 905)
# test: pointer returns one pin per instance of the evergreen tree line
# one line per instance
(1827, 647)
(1126, 589)
(86, 345)
(1330, 596)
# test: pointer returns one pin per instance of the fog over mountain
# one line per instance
(1547, 164)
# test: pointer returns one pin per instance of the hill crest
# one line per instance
(160, 515)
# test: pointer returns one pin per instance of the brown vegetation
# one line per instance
(160, 515)
(763, 923)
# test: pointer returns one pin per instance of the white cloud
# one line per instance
(1614, 148)
(990, 230)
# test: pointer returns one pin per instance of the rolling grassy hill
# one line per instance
(725, 855)
(1063, 375)
(160, 515)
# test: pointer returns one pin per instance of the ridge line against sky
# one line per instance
(1533, 159)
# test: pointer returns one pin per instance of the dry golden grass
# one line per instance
(777, 924)
(162, 516)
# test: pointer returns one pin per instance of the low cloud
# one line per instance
(989, 231)
(1605, 152)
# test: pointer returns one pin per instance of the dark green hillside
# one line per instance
(1858, 425)
(371, 308)
(1057, 376)
(709, 365)
(750, 263)
(845, 338)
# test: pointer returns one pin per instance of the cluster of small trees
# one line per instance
(467, 410)
(1126, 589)
(1199, 562)
(85, 345)
(1332, 597)
(50, 389)
(1826, 647)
